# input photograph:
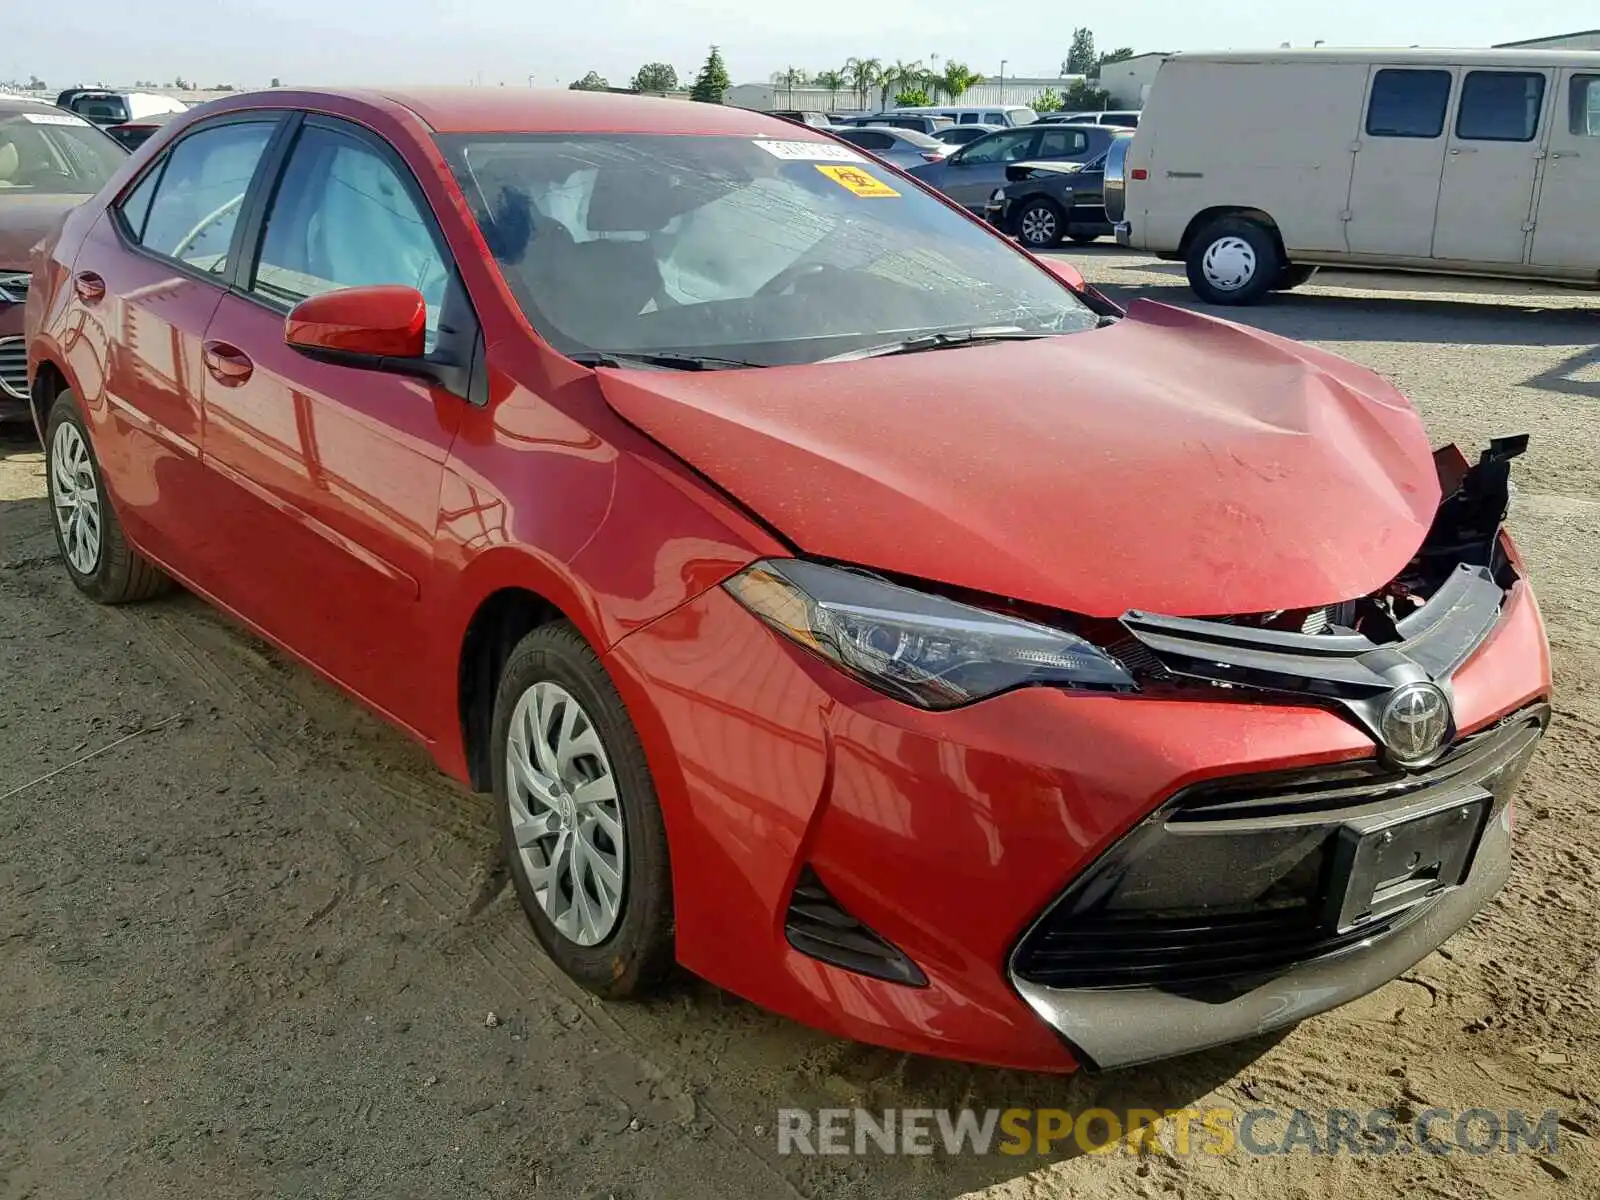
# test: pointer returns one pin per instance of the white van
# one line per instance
(970, 114)
(1256, 168)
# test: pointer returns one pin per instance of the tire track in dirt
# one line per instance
(390, 810)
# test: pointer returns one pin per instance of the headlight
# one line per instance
(920, 648)
(13, 287)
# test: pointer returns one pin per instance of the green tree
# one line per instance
(834, 81)
(864, 74)
(712, 81)
(35, 84)
(1046, 102)
(656, 77)
(275, 82)
(1083, 96)
(1081, 58)
(956, 78)
(592, 82)
(182, 84)
(902, 77)
(912, 98)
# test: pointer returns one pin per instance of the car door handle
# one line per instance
(229, 365)
(1565, 154)
(89, 286)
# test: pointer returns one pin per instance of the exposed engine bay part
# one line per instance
(1381, 658)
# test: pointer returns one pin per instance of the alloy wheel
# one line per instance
(75, 496)
(1039, 226)
(1229, 263)
(565, 815)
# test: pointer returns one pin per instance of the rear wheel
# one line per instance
(93, 549)
(1233, 260)
(582, 832)
(1040, 225)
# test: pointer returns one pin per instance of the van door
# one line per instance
(1394, 190)
(1491, 166)
(1564, 227)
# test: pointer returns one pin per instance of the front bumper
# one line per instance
(948, 835)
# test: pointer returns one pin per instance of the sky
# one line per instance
(249, 42)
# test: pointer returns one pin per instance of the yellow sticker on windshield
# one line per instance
(858, 181)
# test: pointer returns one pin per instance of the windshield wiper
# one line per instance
(941, 341)
(669, 361)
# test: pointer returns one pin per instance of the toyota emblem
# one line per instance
(1414, 723)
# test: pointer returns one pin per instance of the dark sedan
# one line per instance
(1043, 203)
(972, 173)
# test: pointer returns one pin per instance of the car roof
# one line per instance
(537, 110)
(16, 104)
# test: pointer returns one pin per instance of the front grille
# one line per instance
(819, 926)
(1230, 882)
(14, 367)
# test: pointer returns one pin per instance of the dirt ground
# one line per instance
(250, 946)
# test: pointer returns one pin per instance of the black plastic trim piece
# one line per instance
(818, 926)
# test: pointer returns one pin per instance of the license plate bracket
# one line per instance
(1390, 861)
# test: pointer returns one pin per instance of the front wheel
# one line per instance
(1233, 261)
(93, 548)
(579, 822)
(1040, 225)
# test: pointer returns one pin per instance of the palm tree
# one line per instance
(834, 81)
(898, 78)
(864, 75)
(792, 78)
(956, 79)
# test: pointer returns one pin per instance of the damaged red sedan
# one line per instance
(837, 601)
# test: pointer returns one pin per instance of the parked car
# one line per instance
(1003, 678)
(102, 107)
(1121, 118)
(971, 174)
(904, 148)
(1253, 169)
(50, 161)
(802, 116)
(1001, 115)
(960, 135)
(1045, 203)
(133, 134)
(901, 120)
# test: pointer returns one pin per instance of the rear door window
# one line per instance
(999, 147)
(868, 140)
(191, 213)
(1062, 142)
(1408, 104)
(993, 118)
(1500, 106)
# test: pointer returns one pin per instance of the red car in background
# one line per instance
(837, 600)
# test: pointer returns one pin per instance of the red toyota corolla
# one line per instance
(837, 601)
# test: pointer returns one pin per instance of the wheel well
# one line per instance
(502, 620)
(48, 383)
(1204, 218)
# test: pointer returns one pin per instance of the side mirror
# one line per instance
(361, 326)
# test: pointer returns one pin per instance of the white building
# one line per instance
(768, 96)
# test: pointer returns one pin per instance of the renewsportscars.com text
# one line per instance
(1213, 1131)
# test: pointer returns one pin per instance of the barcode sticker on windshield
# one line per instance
(811, 151)
(38, 118)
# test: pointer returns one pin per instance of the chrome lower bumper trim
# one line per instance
(1119, 1028)
(1124, 232)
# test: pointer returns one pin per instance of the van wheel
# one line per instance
(1040, 225)
(1292, 277)
(1233, 261)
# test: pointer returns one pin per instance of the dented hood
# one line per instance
(1170, 462)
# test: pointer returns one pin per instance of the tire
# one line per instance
(88, 535)
(1040, 224)
(1292, 276)
(561, 848)
(1082, 239)
(1233, 261)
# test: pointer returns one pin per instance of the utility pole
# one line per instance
(1002, 81)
